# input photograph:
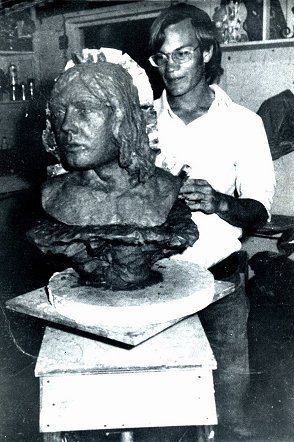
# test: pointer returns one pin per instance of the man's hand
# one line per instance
(199, 195)
(241, 212)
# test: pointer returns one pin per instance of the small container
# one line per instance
(31, 88)
(13, 83)
(23, 91)
(13, 74)
(13, 92)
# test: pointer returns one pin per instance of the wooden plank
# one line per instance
(36, 304)
(63, 352)
(127, 400)
(277, 224)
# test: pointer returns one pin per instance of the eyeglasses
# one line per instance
(178, 56)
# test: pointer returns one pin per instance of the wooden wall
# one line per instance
(253, 75)
(50, 59)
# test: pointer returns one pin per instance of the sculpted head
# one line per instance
(96, 119)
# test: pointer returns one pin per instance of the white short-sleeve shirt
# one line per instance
(228, 147)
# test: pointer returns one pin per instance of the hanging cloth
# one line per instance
(277, 114)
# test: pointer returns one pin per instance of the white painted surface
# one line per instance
(127, 400)
(87, 384)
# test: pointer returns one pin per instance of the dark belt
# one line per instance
(227, 267)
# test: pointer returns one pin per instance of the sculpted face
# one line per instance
(82, 128)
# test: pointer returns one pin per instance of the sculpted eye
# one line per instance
(58, 113)
(83, 111)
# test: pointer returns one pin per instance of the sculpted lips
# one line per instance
(73, 147)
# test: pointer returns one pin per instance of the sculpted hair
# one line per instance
(204, 30)
(113, 87)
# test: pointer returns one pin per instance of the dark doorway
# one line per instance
(128, 36)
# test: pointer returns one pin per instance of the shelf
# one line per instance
(9, 53)
(283, 42)
(11, 184)
(14, 101)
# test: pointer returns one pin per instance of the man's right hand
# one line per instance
(199, 195)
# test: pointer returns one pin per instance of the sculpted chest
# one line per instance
(144, 205)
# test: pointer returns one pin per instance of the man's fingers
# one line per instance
(194, 196)
(187, 188)
(202, 206)
(194, 186)
(194, 206)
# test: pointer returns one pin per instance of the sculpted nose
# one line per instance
(69, 123)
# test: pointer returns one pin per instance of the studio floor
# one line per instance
(270, 328)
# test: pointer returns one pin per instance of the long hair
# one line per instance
(113, 87)
(204, 30)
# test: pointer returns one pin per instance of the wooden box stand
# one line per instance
(88, 384)
(160, 376)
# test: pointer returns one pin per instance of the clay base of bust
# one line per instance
(117, 257)
(184, 289)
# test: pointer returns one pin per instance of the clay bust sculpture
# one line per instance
(101, 136)
(113, 214)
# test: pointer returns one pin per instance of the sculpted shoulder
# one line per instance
(148, 204)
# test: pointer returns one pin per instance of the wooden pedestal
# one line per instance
(87, 384)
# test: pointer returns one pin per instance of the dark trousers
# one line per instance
(225, 324)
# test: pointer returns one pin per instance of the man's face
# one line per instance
(82, 128)
(180, 79)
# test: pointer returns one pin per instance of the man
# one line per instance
(230, 186)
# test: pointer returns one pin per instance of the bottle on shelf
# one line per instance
(13, 82)
(13, 74)
(23, 91)
(13, 92)
(31, 88)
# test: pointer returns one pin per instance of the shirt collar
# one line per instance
(221, 99)
(165, 105)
